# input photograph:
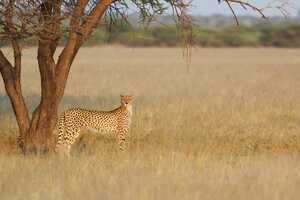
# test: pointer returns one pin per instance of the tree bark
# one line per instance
(39, 137)
(13, 90)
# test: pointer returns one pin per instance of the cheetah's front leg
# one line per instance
(122, 132)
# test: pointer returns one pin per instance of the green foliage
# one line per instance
(97, 38)
(282, 35)
(239, 36)
(278, 35)
(167, 36)
(140, 38)
(207, 37)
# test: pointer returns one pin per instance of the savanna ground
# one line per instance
(228, 130)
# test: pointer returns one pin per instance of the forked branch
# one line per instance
(246, 5)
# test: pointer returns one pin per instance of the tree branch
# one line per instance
(67, 55)
(56, 24)
(46, 48)
(12, 33)
(235, 17)
(15, 95)
(6, 68)
(77, 36)
(12, 75)
(245, 5)
(93, 18)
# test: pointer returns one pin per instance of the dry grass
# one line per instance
(227, 130)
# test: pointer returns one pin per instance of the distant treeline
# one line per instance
(278, 35)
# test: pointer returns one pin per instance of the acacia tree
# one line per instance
(47, 21)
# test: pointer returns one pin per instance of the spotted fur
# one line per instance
(74, 120)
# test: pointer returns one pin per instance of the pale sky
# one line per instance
(209, 7)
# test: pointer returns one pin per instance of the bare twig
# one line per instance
(235, 17)
(245, 5)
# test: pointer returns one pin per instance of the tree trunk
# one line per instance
(11, 79)
(39, 137)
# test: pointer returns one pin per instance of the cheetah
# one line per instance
(74, 120)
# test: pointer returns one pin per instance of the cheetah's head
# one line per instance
(126, 100)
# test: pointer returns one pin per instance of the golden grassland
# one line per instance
(228, 129)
